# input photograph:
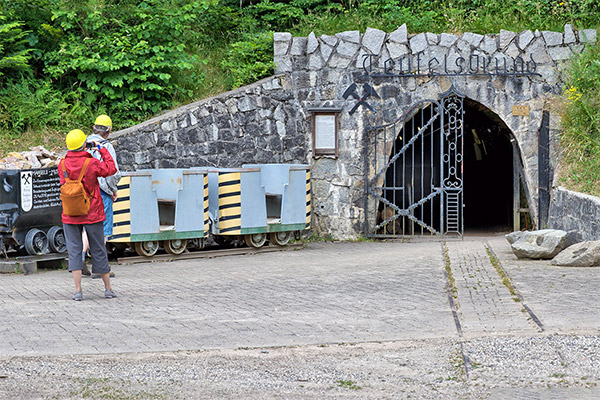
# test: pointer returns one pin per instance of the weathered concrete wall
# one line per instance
(270, 121)
(258, 123)
(573, 211)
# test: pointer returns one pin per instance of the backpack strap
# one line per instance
(85, 164)
(66, 174)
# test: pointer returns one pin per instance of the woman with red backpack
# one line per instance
(83, 207)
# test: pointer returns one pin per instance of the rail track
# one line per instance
(190, 255)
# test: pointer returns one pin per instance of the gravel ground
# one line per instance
(540, 367)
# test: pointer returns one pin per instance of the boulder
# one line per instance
(514, 236)
(542, 244)
(584, 254)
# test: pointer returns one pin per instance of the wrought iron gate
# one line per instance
(414, 170)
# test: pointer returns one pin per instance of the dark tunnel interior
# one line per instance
(488, 170)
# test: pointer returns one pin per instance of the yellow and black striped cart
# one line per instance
(161, 207)
(260, 201)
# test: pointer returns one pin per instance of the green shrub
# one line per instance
(580, 137)
(250, 60)
(32, 104)
(14, 52)
(122, 57)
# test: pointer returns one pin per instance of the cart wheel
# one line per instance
(116, 249)
(256, 239)
(36, 242)
(175, 246)
(280, 238)
(146, 249)
(198, 243)
(56, 239)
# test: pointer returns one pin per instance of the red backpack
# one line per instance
(75, 200)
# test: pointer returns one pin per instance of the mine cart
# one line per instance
(260, 202)
(30, 211)
(161, 207)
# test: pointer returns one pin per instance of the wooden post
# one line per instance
(516, 187)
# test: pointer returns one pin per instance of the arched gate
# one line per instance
(414, 178)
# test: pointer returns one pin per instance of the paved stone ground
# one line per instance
(333, 320)
(486, 305)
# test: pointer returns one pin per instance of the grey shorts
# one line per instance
(95, 234)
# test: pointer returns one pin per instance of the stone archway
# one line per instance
(445, 166)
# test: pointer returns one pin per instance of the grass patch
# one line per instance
(315, 237)
(348, 384)
(505, 279)
(451, 280)
(105, 389)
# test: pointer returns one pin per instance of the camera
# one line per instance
(89, 145)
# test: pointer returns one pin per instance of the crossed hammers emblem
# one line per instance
(367, 90)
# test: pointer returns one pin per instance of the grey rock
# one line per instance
(347, 49)
(506, 37)
(489, 44)
(361, 59)
(169, 125)
(472, 38)
(577, 48)
(513, 236)
(569, 35)
(538, 51)
(397, 50)
(298, 46)
(272, 84)
(326, 52)
(329, 40)
(552, 38)
(447, 39)
(400, 35)
(512, 50)
(560, 53)
(524, 39)
(588, 36)
(280, 48)
(349, 36)
(282, 37)
(312, 43)
(418, 43)
(385, 55)
(339, 62)
(315, 62)
(584, 254)
(542, 244)
(432, 38)
(373, 40)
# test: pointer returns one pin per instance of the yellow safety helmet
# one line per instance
(75, 139)
(103, 120)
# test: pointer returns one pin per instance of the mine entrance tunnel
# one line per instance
(488, 170)
(486, 177)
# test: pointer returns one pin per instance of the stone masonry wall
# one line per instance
(322, 68)
(270, 121)
(258, 123)
(573, 211)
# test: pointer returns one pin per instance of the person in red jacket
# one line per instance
(92, 222)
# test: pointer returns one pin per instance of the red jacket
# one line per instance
(73, 163)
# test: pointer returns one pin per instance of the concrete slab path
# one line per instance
(321, 320)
